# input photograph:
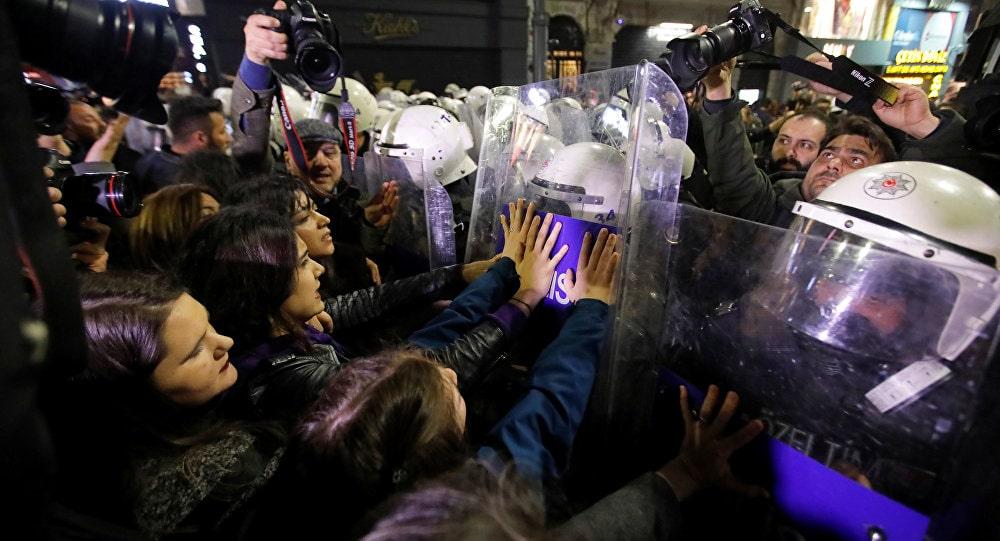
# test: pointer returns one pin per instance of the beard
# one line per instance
(787, 163)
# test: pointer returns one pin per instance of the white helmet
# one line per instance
(609, 124)
(450, 104)
(357, 94)
(384, 94)
(461, 94)
(584, 181)
(298, 108)
(399, 99)
(225, 95)
(541, 150)
(424, 98)
(451, 89)
(567, 121)
(477, 98)
(381, 117)
(433, 135)
(924, 232)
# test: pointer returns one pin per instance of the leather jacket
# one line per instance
(283, 386)
(281, 381)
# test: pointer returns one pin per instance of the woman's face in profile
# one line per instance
(196, 366)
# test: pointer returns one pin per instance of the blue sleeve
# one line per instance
(256, 76)
(538, 432)
(468, 309)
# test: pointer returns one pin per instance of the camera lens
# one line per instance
(120, 197)
(319, 64)
(121, 50)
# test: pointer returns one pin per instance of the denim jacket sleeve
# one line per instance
(538, 432)
(469, 308)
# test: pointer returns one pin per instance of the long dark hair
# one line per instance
(124, 315)
(383, 423)
(275, 191)
(280, 193)
(114, 432)
(241, 265)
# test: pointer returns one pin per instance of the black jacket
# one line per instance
(157, 169)
(279, 380)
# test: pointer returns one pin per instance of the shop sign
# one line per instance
(383, 26)
(915, 67)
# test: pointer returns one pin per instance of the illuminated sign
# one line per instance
(198, 52)
(668, 31)
(921, 68)
(382, 26)
(839, 49)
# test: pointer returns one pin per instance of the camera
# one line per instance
(48, 107)
(690, 56)
(121, 50)
(92, 189)
(311, 34)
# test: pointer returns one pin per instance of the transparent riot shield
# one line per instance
(538, 143)
(474, 120)
(870, 369)
(421, 234)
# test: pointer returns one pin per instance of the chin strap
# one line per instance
(292, 140)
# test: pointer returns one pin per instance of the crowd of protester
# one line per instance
(262, 364)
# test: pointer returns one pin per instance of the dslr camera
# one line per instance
(92, 188)
(311, 36)
(689, 57)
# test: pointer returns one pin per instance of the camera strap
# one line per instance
(847, 75)
(292, 140)
(348, 123)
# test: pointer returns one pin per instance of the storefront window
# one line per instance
(844, 19)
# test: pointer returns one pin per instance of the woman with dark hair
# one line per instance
(167, 218)
(211, 169)
(391, 420)
(347, 269)
(139, 439)
(255, 275)
(478, 501)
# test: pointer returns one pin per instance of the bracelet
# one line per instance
(526, 305)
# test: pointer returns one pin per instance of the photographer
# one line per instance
(743, 190)
(253, 92)
(926, 135)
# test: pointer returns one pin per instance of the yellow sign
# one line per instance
(916, 56)
(916, 68)
(383, 26)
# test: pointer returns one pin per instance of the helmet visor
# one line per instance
(853, 294)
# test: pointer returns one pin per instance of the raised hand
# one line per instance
(595, 268)
(703, 460)
(911, 113)
(262, 42)
(104, 149)
(515, 231)
(821, 60)
(536, 267)
(382, 207)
